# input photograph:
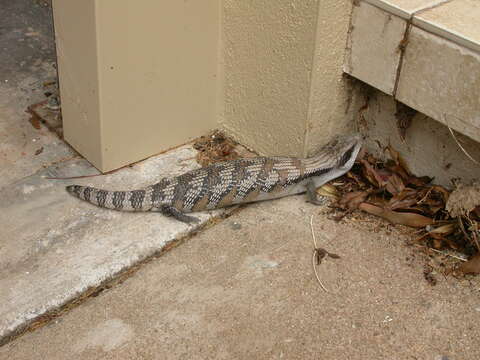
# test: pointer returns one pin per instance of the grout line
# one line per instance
(402, 47)
(404, 42)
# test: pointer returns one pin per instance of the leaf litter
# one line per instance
(215, 147)
(447, 222)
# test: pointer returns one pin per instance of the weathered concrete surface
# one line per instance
(26, 39)
(244, 289)
(54, 247)
(27, 59)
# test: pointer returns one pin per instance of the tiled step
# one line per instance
(425, 53)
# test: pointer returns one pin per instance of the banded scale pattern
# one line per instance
(231, 182)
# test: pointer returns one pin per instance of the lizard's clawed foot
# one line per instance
(312, 196)
(177, 214)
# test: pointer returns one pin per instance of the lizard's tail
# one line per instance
(136, 200)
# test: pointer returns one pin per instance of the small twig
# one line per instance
(441, 252)
(313, 233)
(458, 142)
(425, 197)
(315, 270)
(315, 255)
(462, 227)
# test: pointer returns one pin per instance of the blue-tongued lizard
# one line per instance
(232, 182)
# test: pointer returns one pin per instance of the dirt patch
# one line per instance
(48, 112)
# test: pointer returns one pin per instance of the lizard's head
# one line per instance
(343, 150)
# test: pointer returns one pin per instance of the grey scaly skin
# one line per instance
(232, 182)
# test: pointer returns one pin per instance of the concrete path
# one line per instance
(244, 289)
(54, 247)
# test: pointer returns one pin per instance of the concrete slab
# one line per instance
(244, 289)
(53, 247)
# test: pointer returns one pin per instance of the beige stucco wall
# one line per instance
(283, 88)
(332, 99)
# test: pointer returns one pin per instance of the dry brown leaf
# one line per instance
(452, 244)
(472, 266)
(353, 199)
(438, 243)
(394, 184)
(370, 174)
(35, 121)
(357, 179)
(328, 190)
(395, 155)
(378, 200)
(383, 178)
(444, 229)
(403, 200)
(419, 181)
(397, 169)
(320, 254)
(406, 193)
(476, 212)
(406, 204)
(408, 219)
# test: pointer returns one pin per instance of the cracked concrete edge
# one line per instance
(116, 278)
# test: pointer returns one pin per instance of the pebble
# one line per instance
(236, 226)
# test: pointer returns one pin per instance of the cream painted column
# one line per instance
(136, 77)
(284, 92)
